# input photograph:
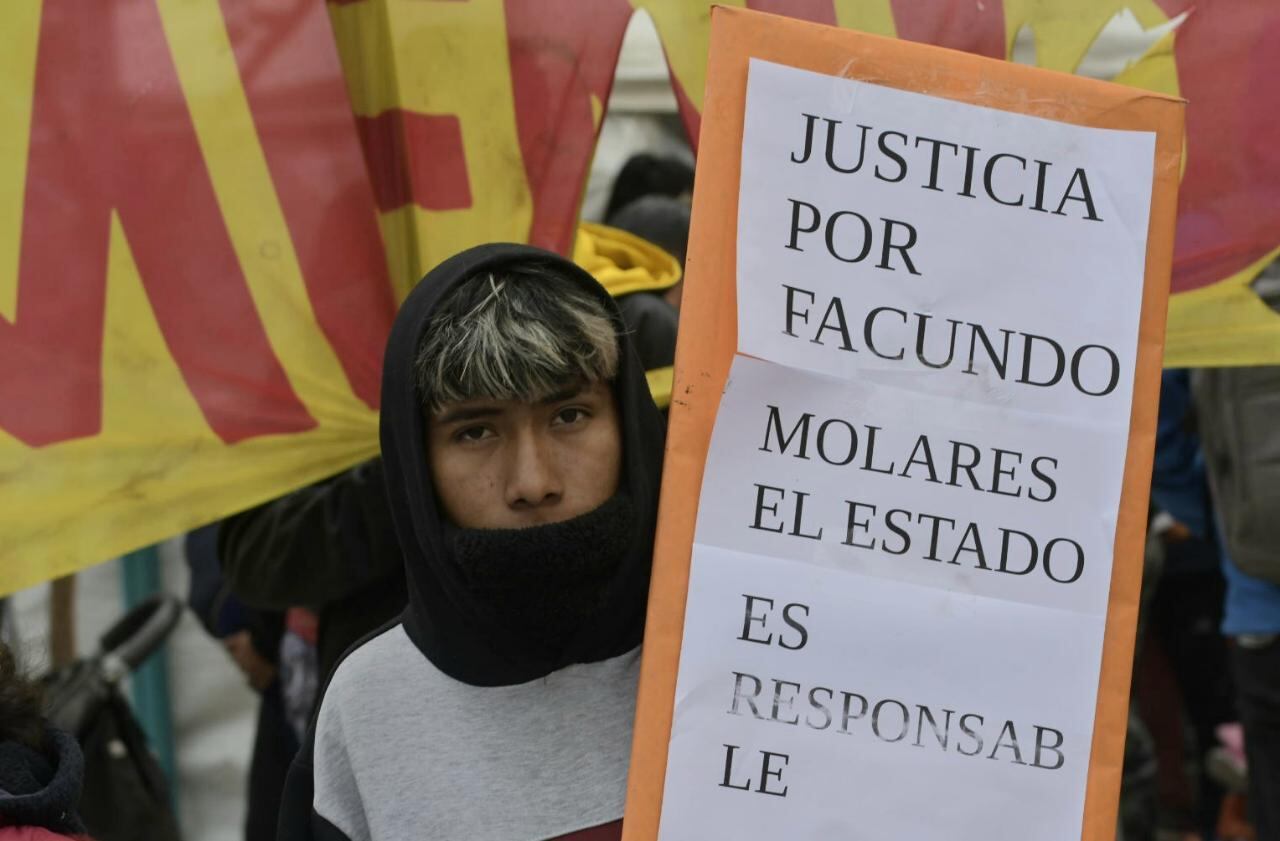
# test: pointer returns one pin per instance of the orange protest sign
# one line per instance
(686, 627)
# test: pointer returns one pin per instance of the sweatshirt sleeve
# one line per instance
(315, 546)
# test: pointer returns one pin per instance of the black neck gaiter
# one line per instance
(542, 585)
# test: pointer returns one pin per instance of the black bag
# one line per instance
(125, 795)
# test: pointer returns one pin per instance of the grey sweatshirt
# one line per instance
(400, 751)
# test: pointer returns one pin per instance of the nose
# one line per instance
(533, 480)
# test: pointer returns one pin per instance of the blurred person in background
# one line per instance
(1182, 685)
(1238, 410)
(278, 662)
(1235, 424)
(639, 275)
(329, 547)
(663, 221)
(646, 174)
(41, 769)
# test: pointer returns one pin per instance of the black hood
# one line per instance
(443, 618)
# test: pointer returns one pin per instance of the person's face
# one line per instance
(506, 464)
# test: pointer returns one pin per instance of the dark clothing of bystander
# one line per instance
(1257, 672)
(330, 547)
(40, 790)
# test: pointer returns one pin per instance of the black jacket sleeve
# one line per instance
(298, 818)
(315, 546)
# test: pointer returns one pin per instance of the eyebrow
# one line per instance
(467, 413)
(566, 393)
(471, 413)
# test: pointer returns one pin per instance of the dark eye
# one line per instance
(571, 415)
(470, 434)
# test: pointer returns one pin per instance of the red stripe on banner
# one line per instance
(560, 56)
(110, 128)
(416, 158)
(1228, 212)
(320, 178)
(817, 11)
(975, 26)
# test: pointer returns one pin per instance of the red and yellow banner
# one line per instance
(534, 76)
(193, 291)
(478, 119)
(208, 209)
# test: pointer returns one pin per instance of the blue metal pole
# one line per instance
(151, 680)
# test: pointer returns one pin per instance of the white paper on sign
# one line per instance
(1014, 271)
(899, 718)
(901, 566)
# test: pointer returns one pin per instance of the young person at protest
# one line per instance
(521, 449)
(41, 769)
(332, 547)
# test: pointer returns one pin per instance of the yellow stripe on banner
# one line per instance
(874, 16)
(246, 194)
(685, 29)
(1223, 324)
(404, 259)
(1155, 71)
(20, 23)
(364, 47)
(660, 382)
(597, 112)
(1064, 31)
